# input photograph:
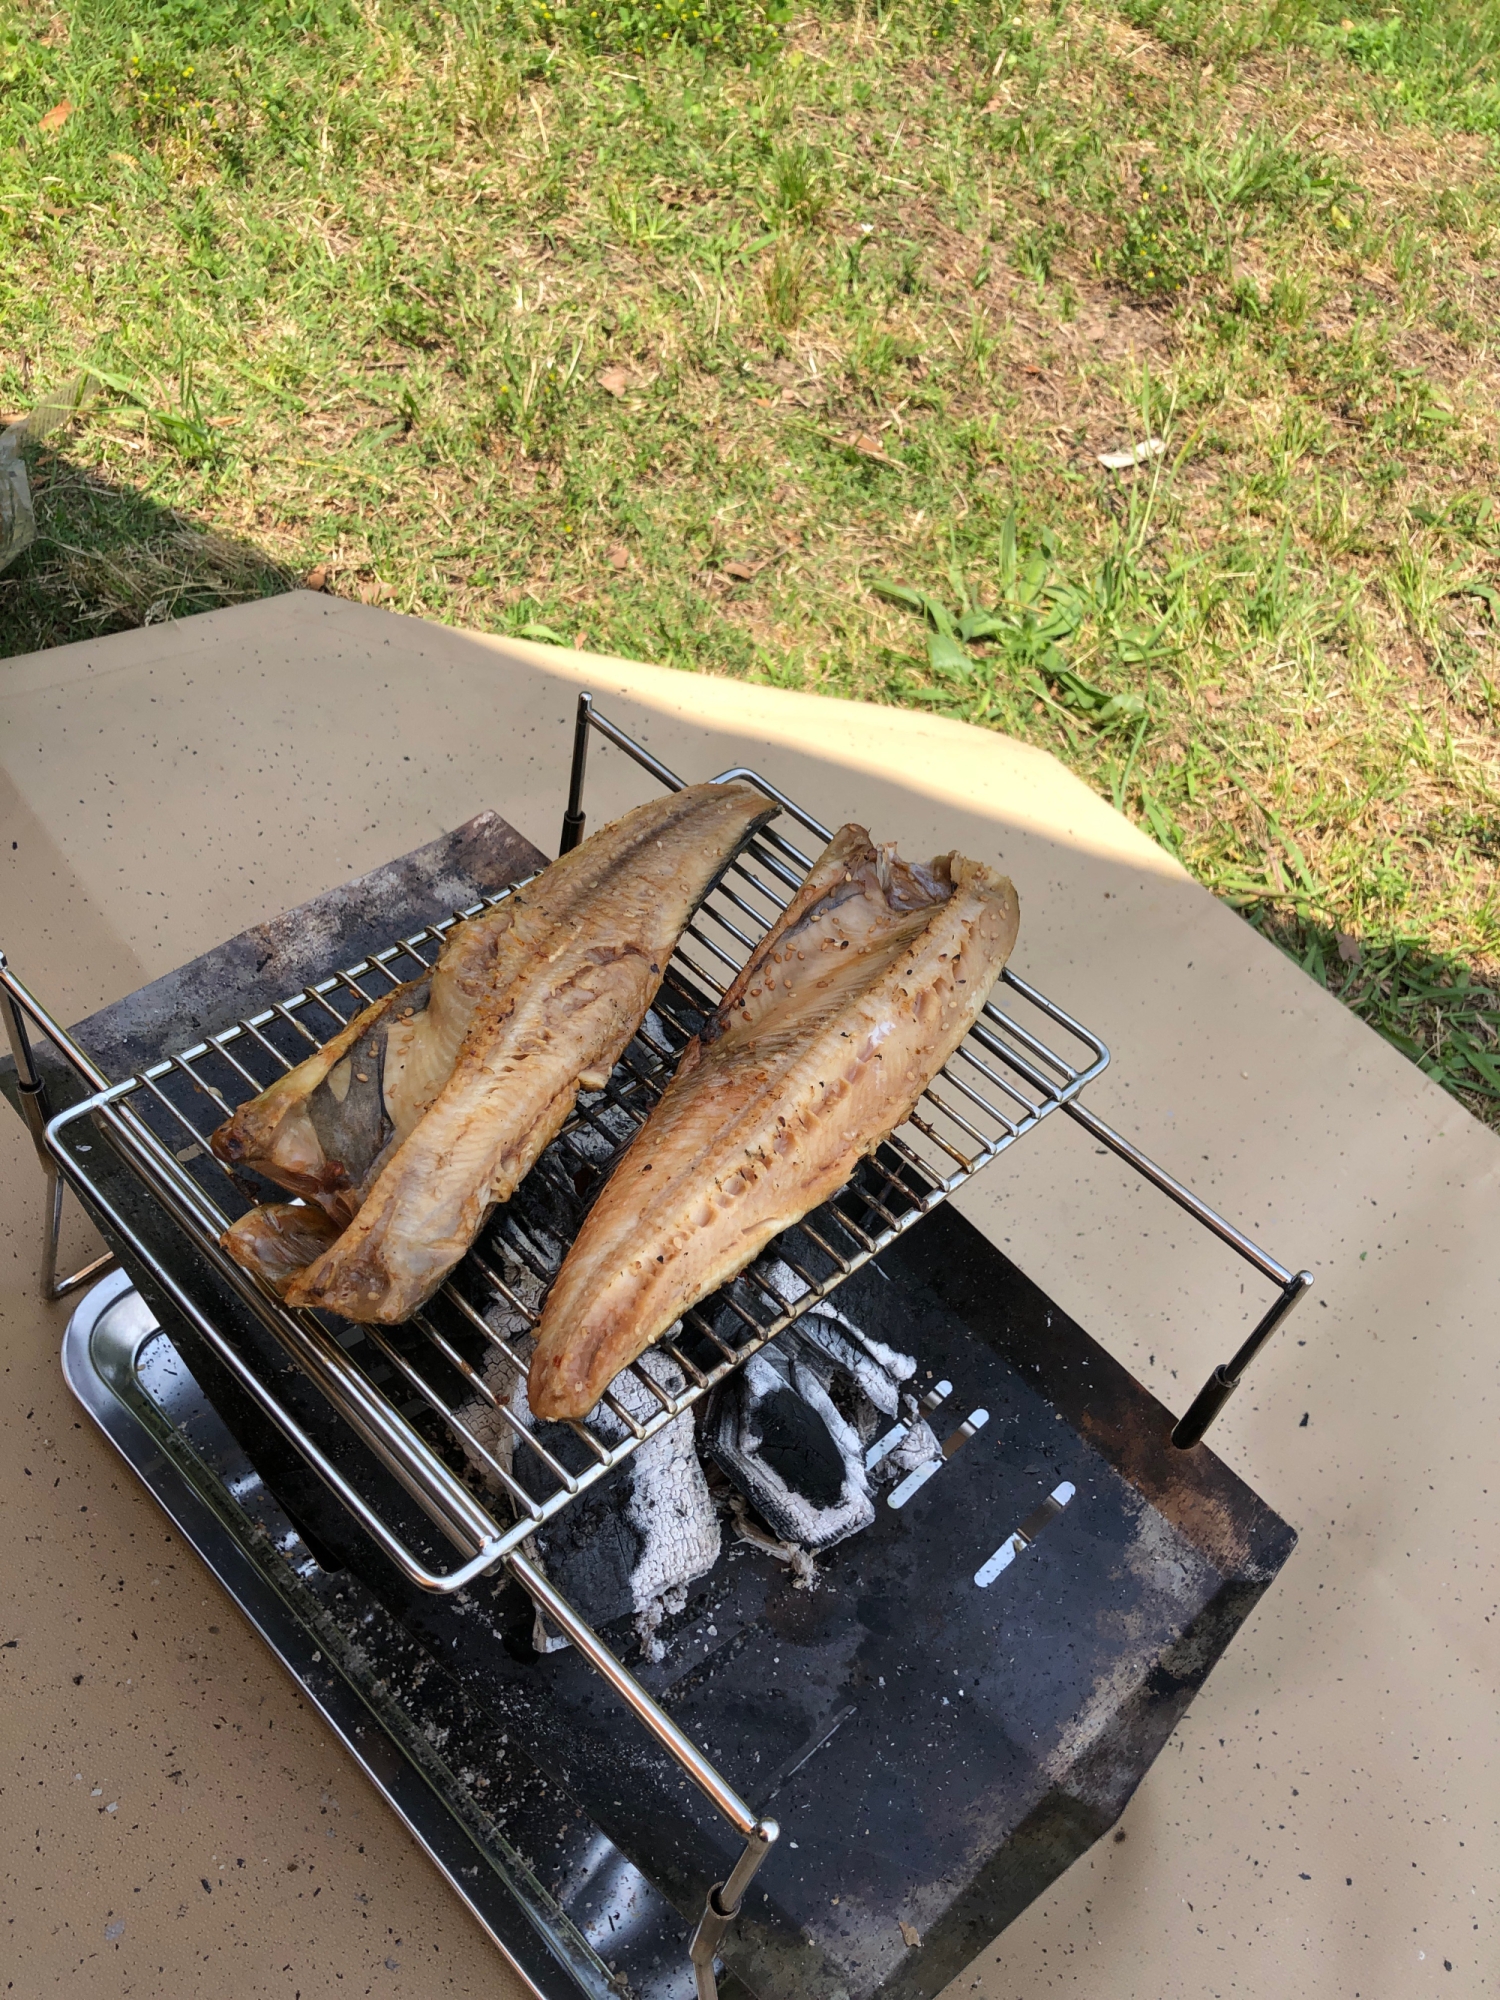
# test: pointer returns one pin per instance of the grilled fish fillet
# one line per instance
(433, 1104)
(323, 1129)
(843, 1015)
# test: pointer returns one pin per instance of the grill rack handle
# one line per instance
(1291, 1286)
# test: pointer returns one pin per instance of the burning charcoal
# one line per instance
(792, 1429)
(632, 1544)
(779, 1437)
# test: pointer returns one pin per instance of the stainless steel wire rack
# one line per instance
(415, 1394)
(411, 1391)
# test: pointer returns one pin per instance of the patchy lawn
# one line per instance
(675, 330)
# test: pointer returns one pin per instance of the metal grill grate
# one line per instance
(436, 1399)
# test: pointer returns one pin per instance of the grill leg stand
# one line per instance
(33, 1095)
(1221, 1385)
(1225, 1379)
(575, 818)
(723, 1904)
(721, 1908)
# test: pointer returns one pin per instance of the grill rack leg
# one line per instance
(35, 1110)
(575, 818)
(1292, 1285)
(722, 1904)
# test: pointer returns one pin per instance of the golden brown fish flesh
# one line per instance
(845, 1012)
(433, 1105)
(279, 1239)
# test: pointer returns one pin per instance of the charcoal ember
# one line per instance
(631, 1545)
(791, 1429)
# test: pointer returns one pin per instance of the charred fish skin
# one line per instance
(320, 1130)
(845, 1012)
(582, 960)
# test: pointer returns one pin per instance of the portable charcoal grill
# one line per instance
(358, 1447)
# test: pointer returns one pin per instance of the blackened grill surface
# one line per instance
(992, 1735)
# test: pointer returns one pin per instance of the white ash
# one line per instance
(878, 1370)
(664, 1494)
(916, 1448)
(669, 1505)
(789, 1288)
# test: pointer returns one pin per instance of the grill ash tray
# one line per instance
(939, 1751)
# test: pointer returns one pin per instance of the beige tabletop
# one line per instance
(1323, 1822)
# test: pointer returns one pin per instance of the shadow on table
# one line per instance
(107, 558)
(1436, 1007)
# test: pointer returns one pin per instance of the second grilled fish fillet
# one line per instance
(843, 1015)
(568, 982)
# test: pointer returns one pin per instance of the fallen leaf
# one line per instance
(742, 572)
(614, 381)
(1134, 454)
(580, 641)
(373, 591)
(909, 1933)
(1351, 951)
(619, 556)
(316, 578)
(871, 448)
(55, 119)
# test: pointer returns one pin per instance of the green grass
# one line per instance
(676, 330)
